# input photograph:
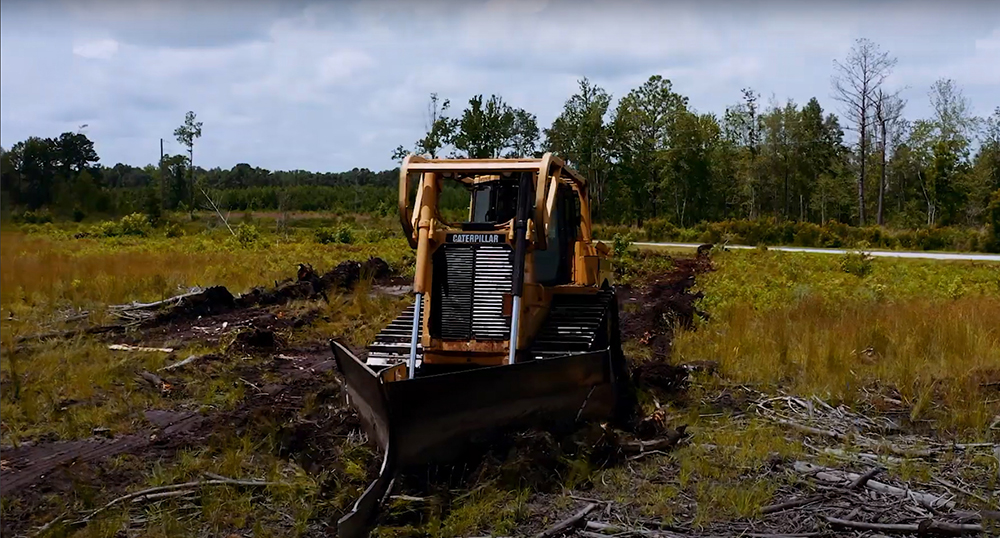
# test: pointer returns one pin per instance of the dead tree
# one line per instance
(888, 110)
(855, 84)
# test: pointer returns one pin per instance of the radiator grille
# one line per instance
(467, 294)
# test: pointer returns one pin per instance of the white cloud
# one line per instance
(339, 66)
(336, 84)
(990, 44)
(100, 49)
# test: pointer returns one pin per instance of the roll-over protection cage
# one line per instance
(549, 171)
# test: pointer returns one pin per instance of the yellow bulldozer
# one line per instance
(514, 321)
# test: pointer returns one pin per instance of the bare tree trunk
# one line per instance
(855, 84)
(863, 149)
(931, 207)
(786, 208)
(880, 117)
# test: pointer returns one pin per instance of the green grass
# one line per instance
(922, 332)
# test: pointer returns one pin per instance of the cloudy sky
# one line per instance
(330, 85)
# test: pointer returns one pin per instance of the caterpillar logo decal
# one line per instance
(476, 238)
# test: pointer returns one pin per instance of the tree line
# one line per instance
(653, 156)
(648, 155)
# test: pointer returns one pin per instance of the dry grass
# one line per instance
(44, 275)
(921, 332)
(64, 389)
(935, 356)
(908, 331)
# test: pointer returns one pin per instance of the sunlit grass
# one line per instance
(44, 274)
(924, 332)
(804, 326)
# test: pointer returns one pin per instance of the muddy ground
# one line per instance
(295, 394)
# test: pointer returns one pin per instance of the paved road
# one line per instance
(879, 253)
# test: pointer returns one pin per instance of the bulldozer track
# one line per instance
(28, 465)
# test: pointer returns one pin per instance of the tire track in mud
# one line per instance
(28, 465)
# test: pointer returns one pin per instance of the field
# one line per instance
(767, 362)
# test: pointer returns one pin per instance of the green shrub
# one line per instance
(341, 234)
(172, 229)
(833, 234)
(135, 224)
(992, 244)
(374, 235)
(858, 263)
(660, 230)
(622, 242)
(108, 228)
(78, 214)
(33, 217)
(247, 235)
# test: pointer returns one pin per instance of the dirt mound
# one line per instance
(218, 300)
(651, 312)
(255, 340)
(660, 375)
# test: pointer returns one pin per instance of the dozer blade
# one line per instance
(431, 419)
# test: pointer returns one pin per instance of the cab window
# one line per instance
(554, 265)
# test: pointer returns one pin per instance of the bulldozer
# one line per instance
(514, 321)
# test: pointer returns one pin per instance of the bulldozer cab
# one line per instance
(485, 285)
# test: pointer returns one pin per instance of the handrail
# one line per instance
(541, 187)
(405, 214)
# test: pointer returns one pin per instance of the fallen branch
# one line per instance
(955, 487)
(163, 495)
(809, 429)
(219, 213)
(860, 481)
(663, 443)
(607, 527)
(770, 535)
(155, 304)
(173, 487)
(567, 523)
(185, 362)
(794, 503)
(927, 527)
(983, 515)
(126, 347)
(45, 528)
(408, 498)
(101, 329)
(840, 477)
(156, 381)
